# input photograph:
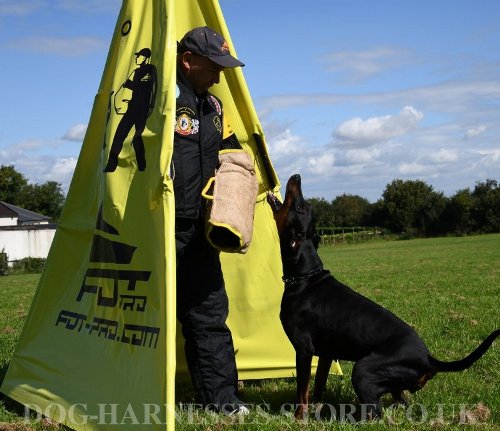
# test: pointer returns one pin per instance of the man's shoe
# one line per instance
(240, 410)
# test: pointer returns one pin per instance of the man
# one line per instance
(202, 304)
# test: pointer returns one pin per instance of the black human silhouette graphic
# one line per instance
(136, 107)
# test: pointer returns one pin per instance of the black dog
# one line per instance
(325, 318)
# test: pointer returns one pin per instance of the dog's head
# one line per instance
(294, 220)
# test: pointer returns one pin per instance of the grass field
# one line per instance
(447, 288)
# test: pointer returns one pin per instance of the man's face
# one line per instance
(140, 59)
(202, 72)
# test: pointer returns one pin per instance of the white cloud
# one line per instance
(444, 97)
(17, 7)
(475, 131)
(378, 129)
(63, 47)
(444, 155)
(30, 147)
(322, 163)
(490, 156)
(26, 147)
(284, 143)
(364, 158)
(357, 65)
(361, 155)
(411, 168)
(291, 154)
(90, 6)
(331, 171)
(62, 171)
(76, 133)
(42, 168)
(25, 7)
(34, 159)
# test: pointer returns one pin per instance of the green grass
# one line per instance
(447, 288)
(16, 293)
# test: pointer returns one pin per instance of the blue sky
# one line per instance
(351, 93)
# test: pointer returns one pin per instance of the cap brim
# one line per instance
(226, 60)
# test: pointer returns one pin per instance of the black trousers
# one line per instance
(202, 309)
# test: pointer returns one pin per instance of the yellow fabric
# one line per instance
(99, 343)
(226, 128)
(77, 358)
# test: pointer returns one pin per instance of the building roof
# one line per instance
(23, 215)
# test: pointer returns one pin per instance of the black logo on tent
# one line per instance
(115, 288)
(134, 100)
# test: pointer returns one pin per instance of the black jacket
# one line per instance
(197, 141)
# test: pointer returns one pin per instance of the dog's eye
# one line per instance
(301, 206)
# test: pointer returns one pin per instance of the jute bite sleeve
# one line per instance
(231, 196)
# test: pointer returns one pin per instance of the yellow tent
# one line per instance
(98, 349)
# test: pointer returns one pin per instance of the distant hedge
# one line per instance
(28, 265)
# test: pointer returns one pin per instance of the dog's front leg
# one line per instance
(324, 365)
(303, 365)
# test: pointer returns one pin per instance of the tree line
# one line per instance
(46, 198)
(414, 209)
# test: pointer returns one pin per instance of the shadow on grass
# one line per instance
(7, 403)
(3, 372)
(276, 397)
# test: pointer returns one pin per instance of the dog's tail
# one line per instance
(466, 362)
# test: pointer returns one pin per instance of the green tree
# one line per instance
(46, 198)
(12, 185)
(413, 207)
(486, 212)
(350, 210)
(457, 216)
(376, 214)
(322, 212)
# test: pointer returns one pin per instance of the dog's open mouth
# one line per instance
(297, 240)
(280, 210)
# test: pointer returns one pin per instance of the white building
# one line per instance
(24, 233)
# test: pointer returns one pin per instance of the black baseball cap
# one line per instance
(146, 52)
(208, 43)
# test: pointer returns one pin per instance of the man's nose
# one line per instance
(216, 79)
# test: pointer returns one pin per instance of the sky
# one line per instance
(351, 94)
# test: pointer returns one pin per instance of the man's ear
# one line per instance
(186, 60)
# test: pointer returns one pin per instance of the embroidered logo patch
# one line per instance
(215, 104)
(218, 124)
(185, 124)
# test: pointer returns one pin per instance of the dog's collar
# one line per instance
(299, 277)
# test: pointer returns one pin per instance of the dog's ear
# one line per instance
(316, 239)
(313, 234)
